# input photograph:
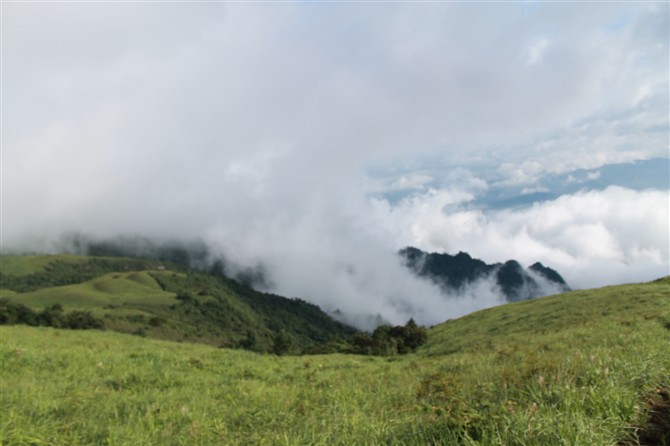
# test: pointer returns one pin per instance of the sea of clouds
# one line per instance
(254, 127)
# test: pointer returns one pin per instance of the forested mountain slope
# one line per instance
(164, 301)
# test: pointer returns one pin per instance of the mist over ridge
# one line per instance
(464, 284)
(306, 143)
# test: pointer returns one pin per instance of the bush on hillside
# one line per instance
(389, 340)
(53, 316)
(81, 320)
(11, 313)
(250, 342)
(283, 343)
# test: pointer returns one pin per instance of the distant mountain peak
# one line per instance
(453, 272)
(548, 273)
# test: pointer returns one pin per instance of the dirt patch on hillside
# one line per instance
(655, 430)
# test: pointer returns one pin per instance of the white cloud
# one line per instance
(535, 51)
(526, 172)
(593, 175)
(617, 232)
(411, 181)
(252, 125)
(533, 190)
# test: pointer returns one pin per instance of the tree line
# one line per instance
(385, 340)
(51, 316)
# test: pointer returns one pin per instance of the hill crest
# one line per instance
(163, 300)
(453, 272)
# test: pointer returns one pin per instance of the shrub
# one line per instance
(156, 321)
(12, 313)
(387, 340)
(141, 331)
(82, 320)
(53, 316)
(283, 343)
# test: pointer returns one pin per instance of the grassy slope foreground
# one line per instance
(583, 368)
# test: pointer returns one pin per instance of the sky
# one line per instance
(315, 139)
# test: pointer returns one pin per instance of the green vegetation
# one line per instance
(27, 265)
(569, 319)
(161, 300)
(29, 273)
(584, 368)
(387, 340)
(53, 316)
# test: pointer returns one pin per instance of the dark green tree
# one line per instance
(414, 335)
(81, 320)
(250, 342)
(52, 316)
(283, 343)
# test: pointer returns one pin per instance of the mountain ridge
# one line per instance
(163, 300)
(453, 272)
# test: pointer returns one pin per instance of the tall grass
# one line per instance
(580, 384)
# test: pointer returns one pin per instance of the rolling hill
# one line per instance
(583, 368)
(165, 301)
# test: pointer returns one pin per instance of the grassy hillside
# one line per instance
(108, 290)
(164, 301)
(26, 265)
(30, 273)
(587, 314)
(586, 368)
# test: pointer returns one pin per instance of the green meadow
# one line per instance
(104, 292)
(26, 265)
(583, 368)
(164, 301)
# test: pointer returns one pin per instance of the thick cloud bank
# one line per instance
(343, 257)
(592, 238)
(258, 128)
(345, 260)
